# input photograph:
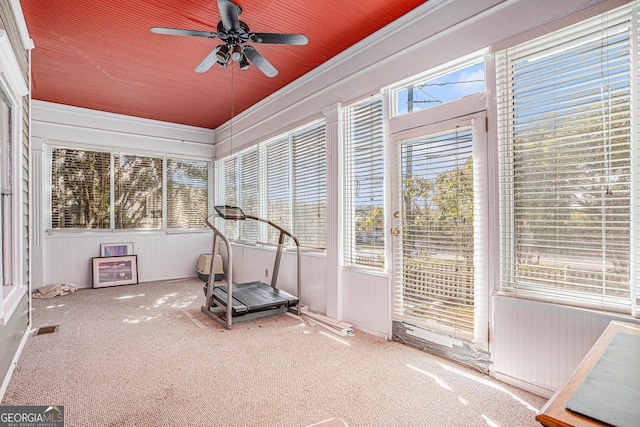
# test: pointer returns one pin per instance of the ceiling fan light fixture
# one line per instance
(223, 54)
(236, 53)
(244, 64)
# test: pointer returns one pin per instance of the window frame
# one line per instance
(457, 64)
(50, 150)
(231, 175)
(9, 230)
(377, 140)
(14, 87)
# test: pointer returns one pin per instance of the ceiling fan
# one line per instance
(234, 33)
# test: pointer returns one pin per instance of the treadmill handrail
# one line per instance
(276, 226)
(214, 254)
(276, 264)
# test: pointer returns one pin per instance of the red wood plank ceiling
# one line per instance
(100, 54)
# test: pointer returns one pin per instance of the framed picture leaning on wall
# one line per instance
(116, 249)
(115, 271)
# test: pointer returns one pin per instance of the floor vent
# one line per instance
(47, 330)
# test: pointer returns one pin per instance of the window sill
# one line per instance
(371, 271)
(10, 303)
(74, 232)
(272, 247)
(619, 313)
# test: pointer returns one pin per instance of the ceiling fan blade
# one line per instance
(276, 38)
(208, 61)
(260, 61)
(229, 14)
(180, 32)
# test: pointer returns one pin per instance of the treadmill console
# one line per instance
(230, 212)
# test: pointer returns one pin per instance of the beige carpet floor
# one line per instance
(145, 355)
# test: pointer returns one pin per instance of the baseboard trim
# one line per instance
(543, 392)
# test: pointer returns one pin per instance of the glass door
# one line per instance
(436, 276)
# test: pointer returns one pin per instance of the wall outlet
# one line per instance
(266, 272)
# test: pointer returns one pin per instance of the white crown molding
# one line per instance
(16, 8)
(49, 112)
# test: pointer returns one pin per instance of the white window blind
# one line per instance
(364, 184)
(83, 194)
(284, 180)
(565, 112)
(187, 193)
(6, 145)
(219, 195)
(137, 192)
(80, 189)
(6, 194)
(227, 192)
(310, 185)
(436, 286)
(248, 193)
(278, 178)
(238, 185)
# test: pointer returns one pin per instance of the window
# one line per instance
(249, 193)
(565, 108)
(279, 175)
(227, 192)
(452, 81)
(80, 189)
(6, 191)
(238, 182)
(14, 183)
(310, 186)
(187, 193)
(364, 184)
(283, 180)
(138, 192)
(84, 195)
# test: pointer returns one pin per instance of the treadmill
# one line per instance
(236, 302)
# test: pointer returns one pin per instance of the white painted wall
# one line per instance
(65, 256)
(366, 301)
(537, 346)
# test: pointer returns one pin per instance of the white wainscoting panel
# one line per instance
(540, 344)
(366, 302)
(67, 259)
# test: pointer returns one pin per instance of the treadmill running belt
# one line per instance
(258, 296)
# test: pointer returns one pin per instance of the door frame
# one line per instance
(471, 110)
